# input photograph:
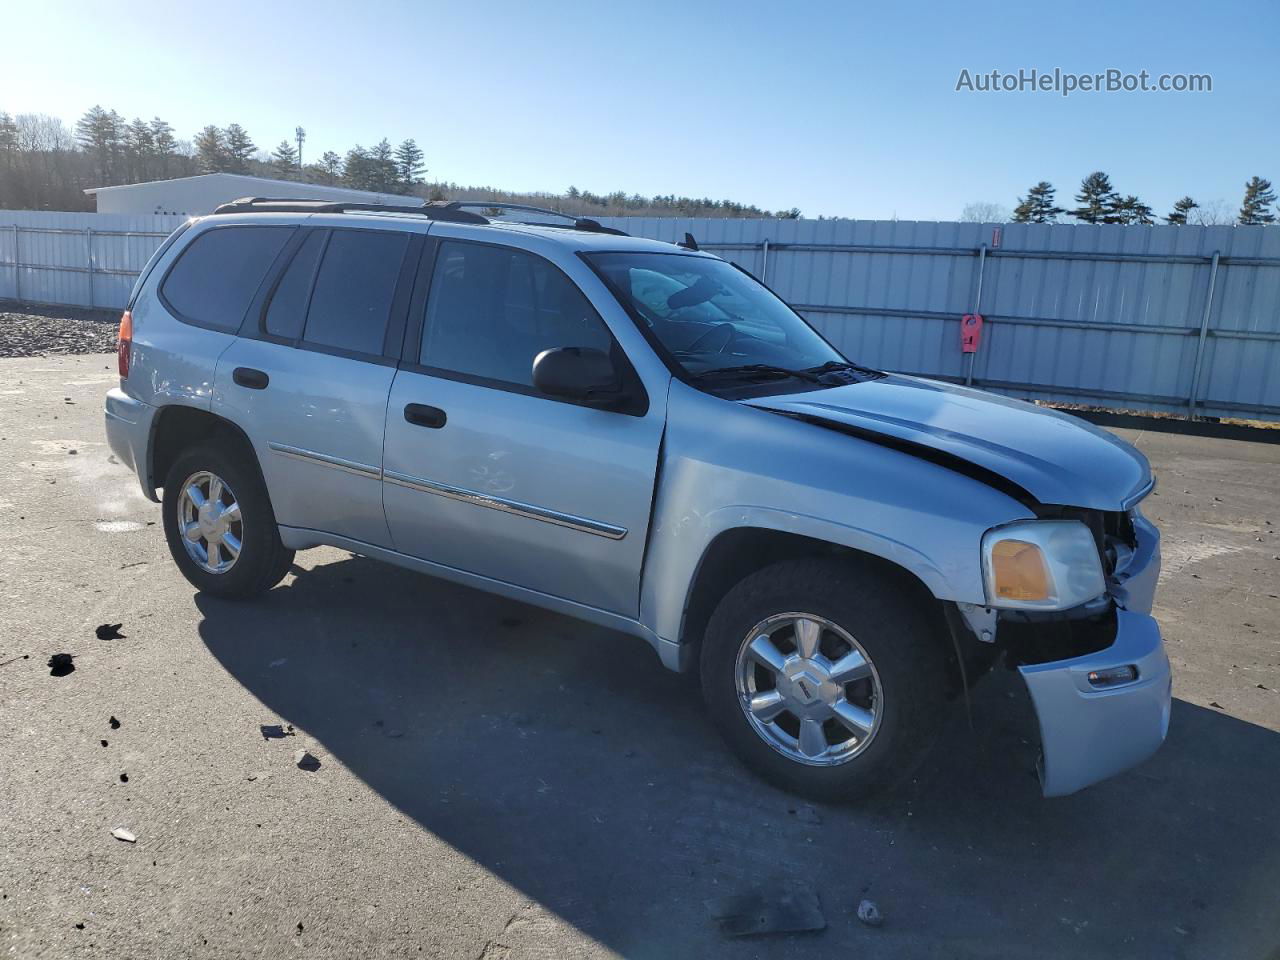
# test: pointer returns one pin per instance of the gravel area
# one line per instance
(42, 330)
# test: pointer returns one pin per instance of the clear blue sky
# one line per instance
(842, 108)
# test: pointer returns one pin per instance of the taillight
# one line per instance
(124, 345)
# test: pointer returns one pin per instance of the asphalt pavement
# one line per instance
(496, 781)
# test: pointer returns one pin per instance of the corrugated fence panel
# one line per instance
(1101, 315)
(83, 259)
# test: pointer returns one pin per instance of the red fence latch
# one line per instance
(970, 332)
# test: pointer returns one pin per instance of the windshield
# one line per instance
(711, 316)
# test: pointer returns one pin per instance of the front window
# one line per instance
(715, 321)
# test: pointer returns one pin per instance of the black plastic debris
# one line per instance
(103, 742)
(869, 913)
(115, 724)
(60, 665)
(792, 910)
(110, 631)
(274, 731)
(306, 761)
(124, 778)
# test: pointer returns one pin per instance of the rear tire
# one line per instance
(855, 716)
(231, 548)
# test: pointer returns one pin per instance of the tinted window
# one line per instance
(354, 289)
(492, 310)
(289, 302)
(217, 275)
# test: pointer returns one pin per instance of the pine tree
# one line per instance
(1258, 196)
(1037, 206)
(139, 148)
(164, 145)
(285, 160)
(1096, 199)
(211, 150)
(1129, 211)
(8, 140)
(329, 169)
(356, 169)
(239, 148)
(409, 165)
(1180, 210)
(382, 168)
(99, 133)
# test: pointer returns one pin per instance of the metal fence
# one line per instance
(1176, 319)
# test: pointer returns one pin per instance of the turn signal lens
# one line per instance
(1019, 571)
(124, 345)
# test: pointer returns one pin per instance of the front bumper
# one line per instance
(128, 423)
(1088, 733)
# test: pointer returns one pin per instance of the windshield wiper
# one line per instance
(748, 370)
(837, 366)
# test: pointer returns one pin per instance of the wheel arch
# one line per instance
(178, 427)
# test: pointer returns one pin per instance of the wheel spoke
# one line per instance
(231, 512)
(813, 742)
(807, 635)
(766, 706)
(765, 653)
(231, 544)
(191, 531)
(201, 551)
(852, 666)
(859, 720)
(195, 496)
(215, 490)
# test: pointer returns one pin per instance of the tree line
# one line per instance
(1098, 202)
(44, 165)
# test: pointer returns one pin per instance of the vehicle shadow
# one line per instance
(565, 760)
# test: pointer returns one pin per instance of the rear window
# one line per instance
(351, 302)
(216, 277)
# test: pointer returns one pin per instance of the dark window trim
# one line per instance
(165, 247)
(399, 300)
(636, 406)
(202, 324)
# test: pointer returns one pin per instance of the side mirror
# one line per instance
(580, 374)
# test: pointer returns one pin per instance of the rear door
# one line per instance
(309, 376)
(485, 474)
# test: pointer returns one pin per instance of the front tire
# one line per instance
(824, 678)
(219, 524)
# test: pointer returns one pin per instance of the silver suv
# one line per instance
(643, 436)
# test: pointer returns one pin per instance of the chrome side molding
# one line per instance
(581, 524)
(338, 463)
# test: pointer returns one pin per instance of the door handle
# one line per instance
(251, 378)
(422, 415)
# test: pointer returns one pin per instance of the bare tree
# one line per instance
(1212, 213)
(984, 211)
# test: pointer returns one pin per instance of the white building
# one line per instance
(197, 196)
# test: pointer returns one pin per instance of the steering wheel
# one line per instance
(731, 334)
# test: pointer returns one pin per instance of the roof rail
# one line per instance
(579, 223)
(435, 210)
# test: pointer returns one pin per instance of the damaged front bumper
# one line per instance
(1090, 730)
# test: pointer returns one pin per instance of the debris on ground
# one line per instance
(5, 663)
(115, 724)
(806, 813)
(777, 911)
(120, 833)
(869, 913)
(60, 664)
(1215, 703)
(306, 761)
(29, 331)
(124, 778)
(109, 631)
(274, 731)
(103, 742)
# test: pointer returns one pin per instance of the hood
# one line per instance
(1056, 458)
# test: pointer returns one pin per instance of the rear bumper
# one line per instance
(128, 424)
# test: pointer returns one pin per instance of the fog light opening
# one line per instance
(1113, 676)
